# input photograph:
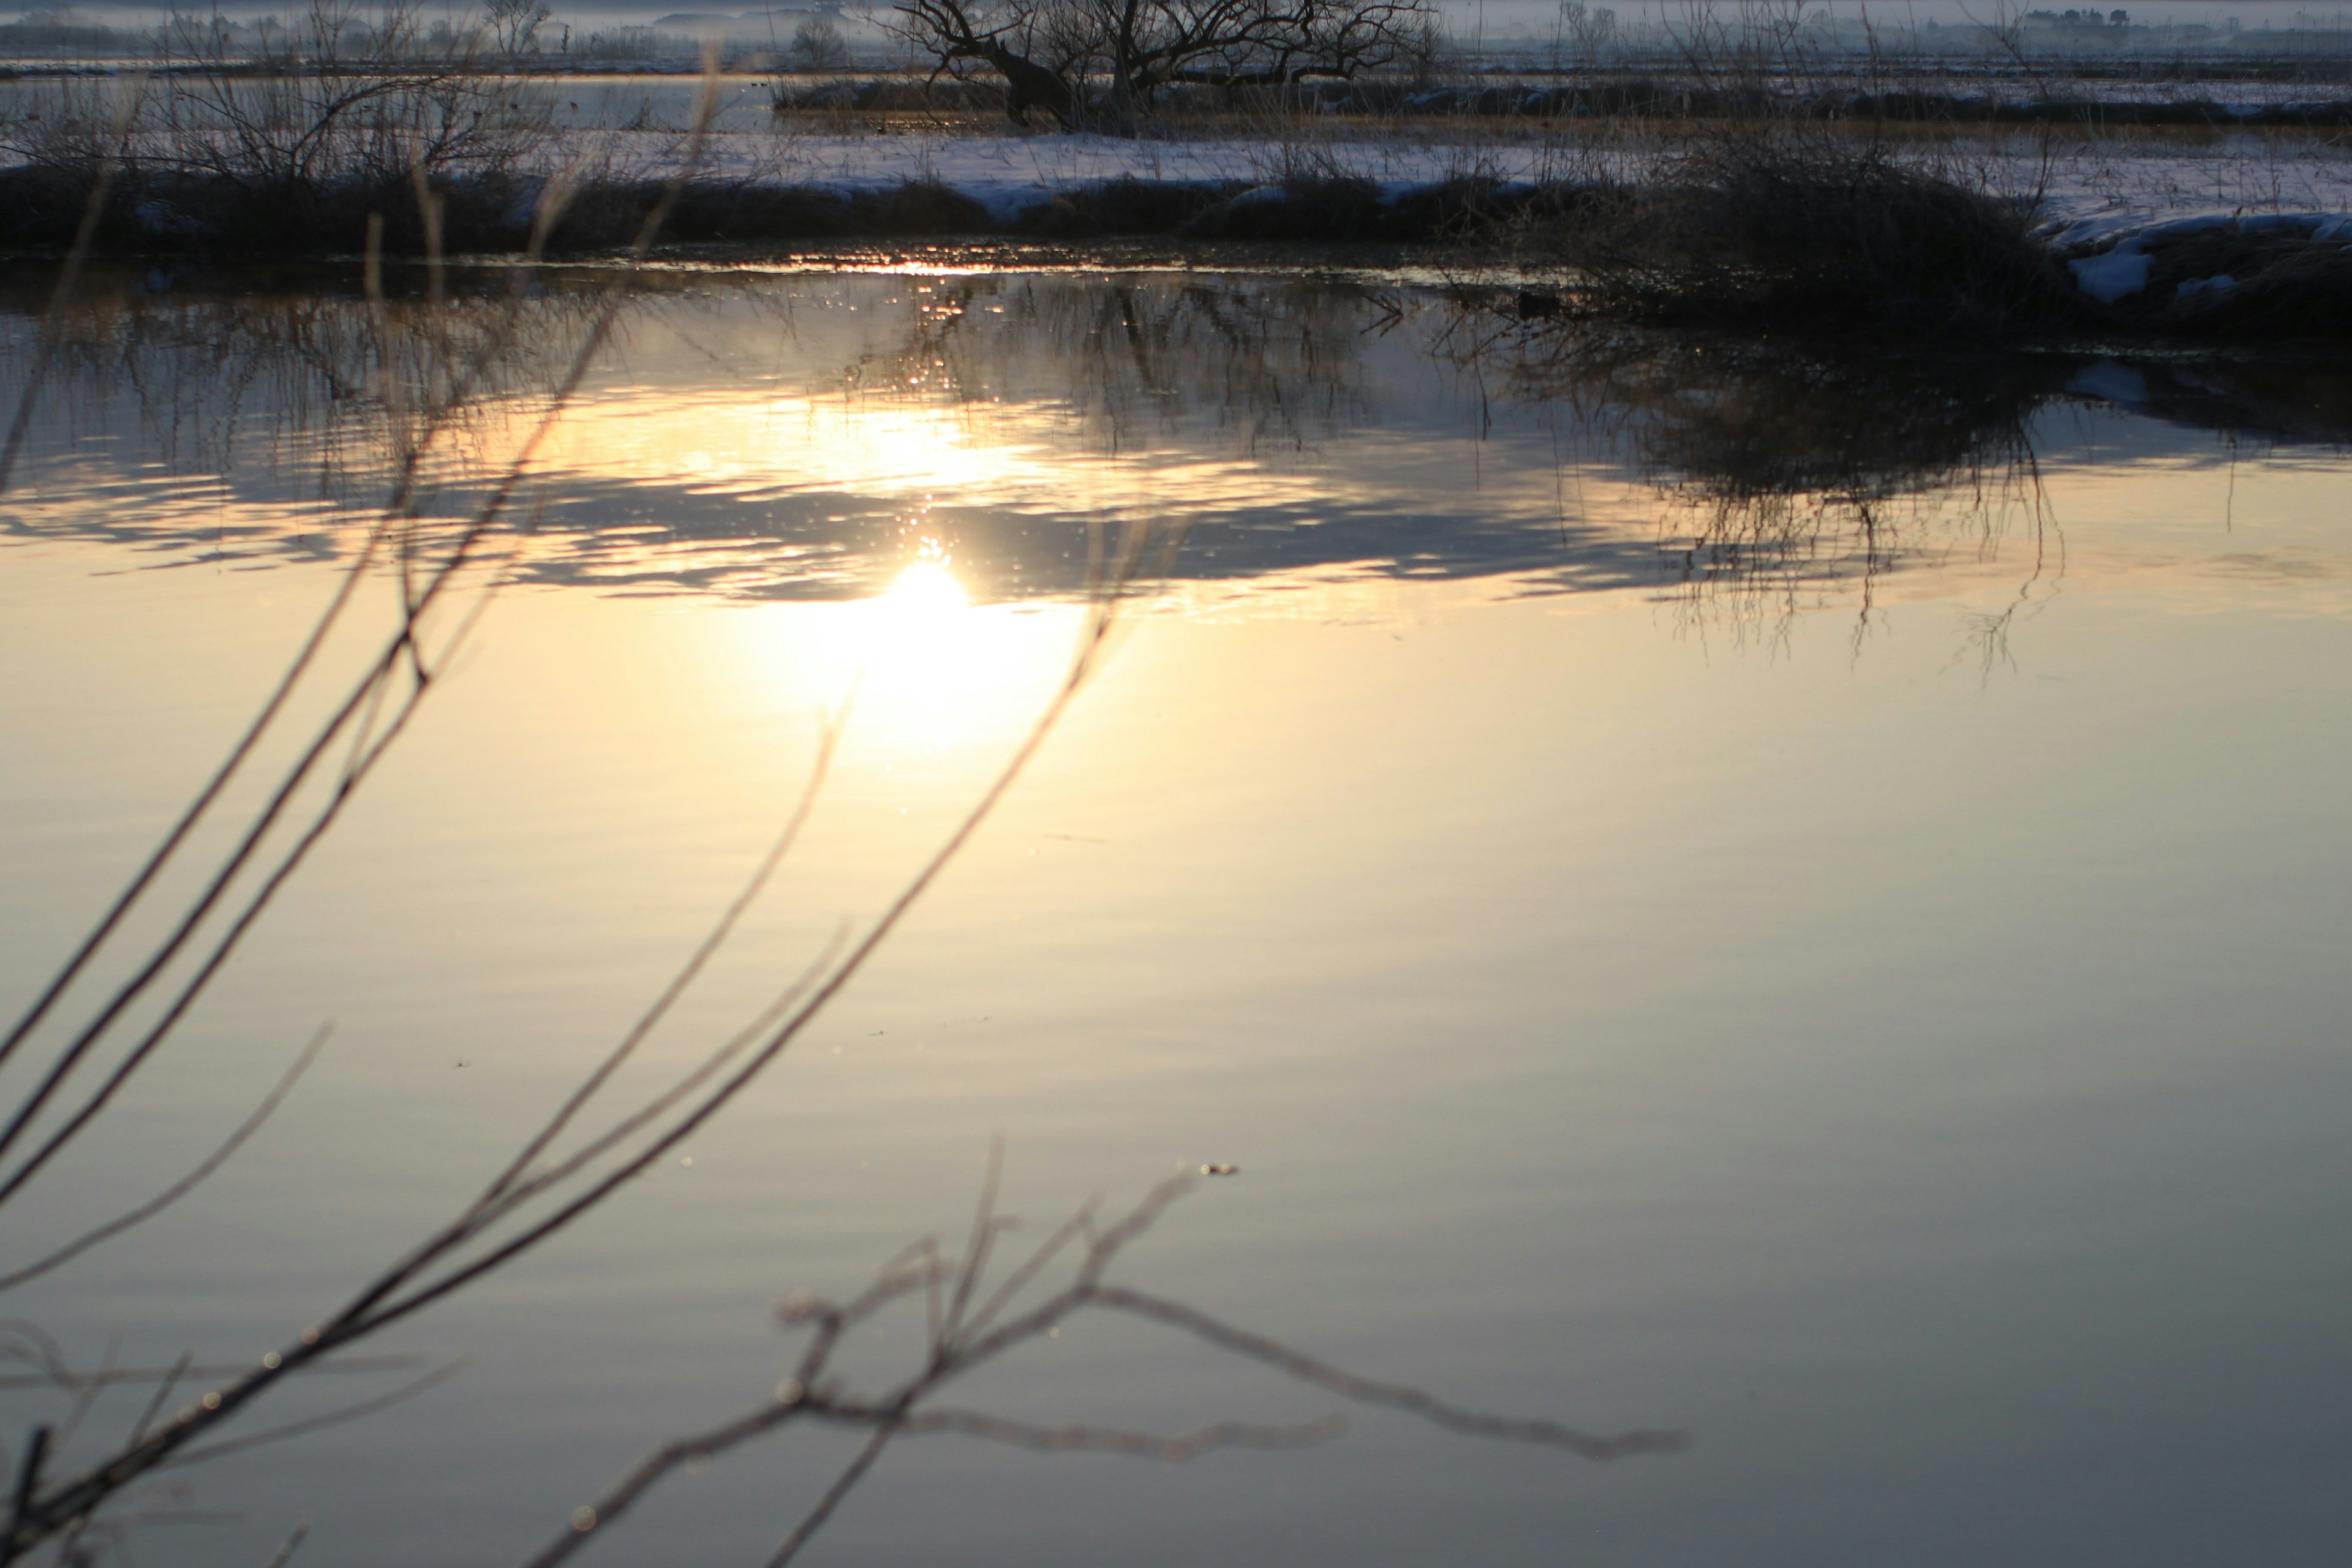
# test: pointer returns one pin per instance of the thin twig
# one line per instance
(1085, 1439)
(293, 1543)
(202, 1452)
(120, 1377)
(809, 1395)
(459, 555)
(854, 1472)
(82, 1495)
(828, 739)
(162, 1396)
(187, 1184)
(1371, 1391)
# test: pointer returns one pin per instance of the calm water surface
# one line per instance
(1800, 901)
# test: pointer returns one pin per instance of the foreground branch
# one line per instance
(961, 1339)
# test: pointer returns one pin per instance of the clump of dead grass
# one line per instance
(1812, 234)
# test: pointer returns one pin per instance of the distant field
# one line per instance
(2085, 145)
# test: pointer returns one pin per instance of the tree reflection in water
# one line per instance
(1294, 426)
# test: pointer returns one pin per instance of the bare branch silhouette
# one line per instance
(349, 1413)
(460, 554)
(185, 1185)
(1370, 1391)
(68, 1379)
(953, 1348)
(444, 1262)
(293, 1543)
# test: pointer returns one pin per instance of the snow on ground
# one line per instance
(2107, 186)
(1008, 173)
(2128, 176)
(2085, 187)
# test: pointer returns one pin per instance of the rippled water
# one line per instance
(1799, 900)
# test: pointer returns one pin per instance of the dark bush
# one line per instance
(214, 214)
(604, 217)
(1464, 209)
(919, 208)
(1811, 235)
(1305, 209)
(2249, 281)
(1125, 208)
(176, 213)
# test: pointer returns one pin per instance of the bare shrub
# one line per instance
(287, 143)
(356, 95)
(1779, 229)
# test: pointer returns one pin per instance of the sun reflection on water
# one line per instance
(920, 602)
(929, 667)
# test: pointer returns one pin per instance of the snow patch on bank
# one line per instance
(2122, 270)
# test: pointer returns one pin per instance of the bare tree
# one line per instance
(1050, 53)
(818, 46)
(1585, 34)
(1031, 44)
(516, 23)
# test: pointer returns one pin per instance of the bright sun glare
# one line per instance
(923, 595)
(931, 667)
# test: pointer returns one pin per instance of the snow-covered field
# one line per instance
(2120, 178)
(634, 128)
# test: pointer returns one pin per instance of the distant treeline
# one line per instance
(1629, 97)
(1657, 98)
(44, 31)
(42, 35)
